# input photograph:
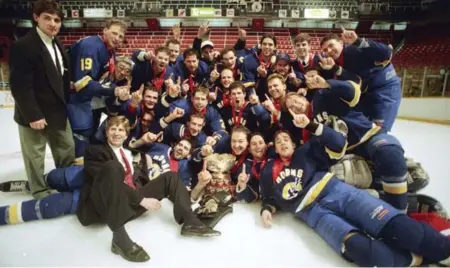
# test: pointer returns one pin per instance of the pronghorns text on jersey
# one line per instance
(161, 159)
(289, 172)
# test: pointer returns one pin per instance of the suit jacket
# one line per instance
(39, 92)
(95, 158)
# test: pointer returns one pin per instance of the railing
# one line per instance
(422, 82)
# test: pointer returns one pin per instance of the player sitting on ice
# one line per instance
(364, 229)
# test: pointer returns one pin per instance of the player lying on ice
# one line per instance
(364, 229)
(125, 191)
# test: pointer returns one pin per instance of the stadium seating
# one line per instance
(428, 52)
(137, 38)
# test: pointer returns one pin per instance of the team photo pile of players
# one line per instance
(308, 135)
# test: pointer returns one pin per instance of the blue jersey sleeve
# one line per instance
(216, 123)
(87, 70)
(263, 117)
(348, 91)
(248, 71)
(328, 146)
(380, 53)
(267, 189)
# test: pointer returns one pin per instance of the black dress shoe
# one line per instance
(135, 254)
(198, 230)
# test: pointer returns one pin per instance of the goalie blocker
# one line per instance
(358, 172)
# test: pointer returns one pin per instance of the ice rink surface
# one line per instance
(244, 242)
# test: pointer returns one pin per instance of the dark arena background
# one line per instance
(417, 30)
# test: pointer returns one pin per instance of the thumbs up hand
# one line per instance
(300, 120)
(262, 72)
(206, 150)
(169, 81)
(348, 37)
(214, 74)
(242, 33)
(253, 99)
(136, 97)
(293, 78)
(204, 177)
(243, 179)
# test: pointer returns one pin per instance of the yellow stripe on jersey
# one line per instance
(395, 188)
(314, 192)
(374, 130)
(356, 96)
(336, 155)
(249, 84)
(80, 84)
(164, 102)
(385, 62)
(78, 161)
(14, 211)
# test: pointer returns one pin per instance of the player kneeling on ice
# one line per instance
(110, 190)
(364, 229)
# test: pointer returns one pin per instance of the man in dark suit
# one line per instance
(115, 191)
(40, 84)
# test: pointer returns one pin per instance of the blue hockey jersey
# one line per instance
(162, 162)
(90, 60)
(371, 61)
(176, 131)
(143, 73)
(249, 68)
(214, 125)
(251, 192)
(338, 101)
(254, 117)
(194, 80)
(285, 186)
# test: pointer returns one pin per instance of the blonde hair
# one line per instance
(112, 22)
(119, 120)
(276, 76)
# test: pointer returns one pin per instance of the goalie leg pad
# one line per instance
(417, 177)
(353, 170)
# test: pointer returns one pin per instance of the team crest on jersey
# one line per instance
(158, 167)
(291, 189)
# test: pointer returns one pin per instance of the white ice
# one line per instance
(244, 242)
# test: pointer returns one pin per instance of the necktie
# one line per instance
(58, 65)
(128, 173)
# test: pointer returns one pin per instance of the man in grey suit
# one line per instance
(40, 85)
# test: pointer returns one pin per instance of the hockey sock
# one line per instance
(15, 186)
(49, 207)
(121, 238)
(368, 252)
(391, 167)
(420, 238)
